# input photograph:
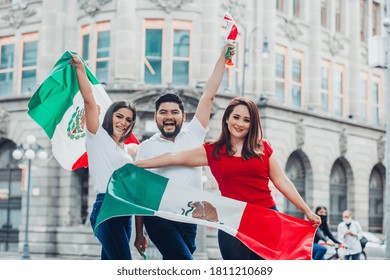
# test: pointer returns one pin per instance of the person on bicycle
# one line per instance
(323, 233)
(349, 232)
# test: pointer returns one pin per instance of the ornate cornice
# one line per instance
(381, 142)
(343, 141)
(170, 5)
(335, 45)
(300, 133)
(17, 14)
(4, 120)
(291, 29)
(92, 7)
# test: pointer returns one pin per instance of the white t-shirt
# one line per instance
(104, 157)
(190, 137)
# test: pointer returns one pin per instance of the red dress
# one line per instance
(244, 180)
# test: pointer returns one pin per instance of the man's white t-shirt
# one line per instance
(104, 157)
(190, 137)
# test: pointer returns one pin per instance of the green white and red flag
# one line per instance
(231, 27)
(273, 235)
(58, 107)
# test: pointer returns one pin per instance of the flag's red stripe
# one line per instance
(131, 139)
(233, 33)
(82, 162)
(274, 235)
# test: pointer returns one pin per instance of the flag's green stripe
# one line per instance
(127, 194)
(54, 97)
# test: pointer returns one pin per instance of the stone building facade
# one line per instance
(322, 106)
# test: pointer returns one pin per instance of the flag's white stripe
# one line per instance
(66, 150)
(176, 197)
(184, 219)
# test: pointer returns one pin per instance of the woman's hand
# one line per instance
(314, 218)
(76, 62)
(140, 244)
(225, 49)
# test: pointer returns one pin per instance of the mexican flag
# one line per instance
(231, 27)
(58, 107)
(273, 235)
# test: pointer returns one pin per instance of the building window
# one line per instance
(295, 171)
(179, 55)
(324, 14)
(325, 85)
(338, 93)
(376, 18)
(26, 64)
(95, 48)
(181, 52)
(297, 78)
(363, 20)
(281, 6)
(363, 100)
(280, 68)
(102, 51)
(85, 41)
(339, 16)
(153, 51)
(29, 63)
(338, 193)
(374, 101)
(297, 6)
(376, 195)
(7, 54)
(10, 198)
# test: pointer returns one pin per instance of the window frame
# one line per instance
(27, 37)
(327, 65)
(151, 23)
(185, 25)
(297, 54)
(9, 40)
(338, 68)
(93, 30)
(281, 50)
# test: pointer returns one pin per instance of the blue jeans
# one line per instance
(354, 257)
(232, 248)
(319, 251)
(114, 234)
(174, 240)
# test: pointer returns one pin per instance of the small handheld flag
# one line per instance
(231, 35)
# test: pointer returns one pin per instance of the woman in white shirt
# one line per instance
(106, 153)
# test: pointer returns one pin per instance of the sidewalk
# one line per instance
(18, 256)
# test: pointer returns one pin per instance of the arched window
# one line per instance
(10, 198)
(338, 193)
(295, 171)
(376, 194)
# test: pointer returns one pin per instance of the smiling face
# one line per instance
(122, 121)
(169, 119)
(239, 122)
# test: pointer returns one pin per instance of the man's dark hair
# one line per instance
(169, 97)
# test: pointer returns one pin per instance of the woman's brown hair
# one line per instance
(252, 146)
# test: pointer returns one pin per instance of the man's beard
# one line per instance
(169, 135)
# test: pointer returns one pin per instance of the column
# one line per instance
(126, 47)
(314, 73)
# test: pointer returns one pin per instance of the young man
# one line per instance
(174, 240)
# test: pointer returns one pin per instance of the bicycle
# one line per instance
(337, 255)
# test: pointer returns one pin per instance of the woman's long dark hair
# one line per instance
(252, 146)
(107, 121)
